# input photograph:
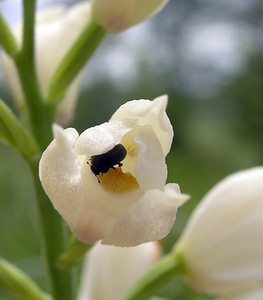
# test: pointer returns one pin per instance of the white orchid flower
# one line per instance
(222, 246)
(109, 271)
(117, 16)
(126, 205)
(56, 30)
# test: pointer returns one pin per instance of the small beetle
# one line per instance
(101, 163)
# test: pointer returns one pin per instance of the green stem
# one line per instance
(53, 241)
(41, 118)
(7, 40)
(52, 230)
(29, 8)
(25, 63)
(74, 61)
(164, 270)
(73, 253)
(18, 283)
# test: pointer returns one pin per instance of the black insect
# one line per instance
(103, 162)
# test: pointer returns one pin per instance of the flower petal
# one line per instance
(57, 162)
(117, 15)
(151, 218)
(129, 264)
(150, 159)
(97, 209)
(102, 138)
(223, 241)
(152, 113)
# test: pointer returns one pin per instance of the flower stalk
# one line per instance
(40, 119)
(25, 63)
(74, 61)
(165, 269)
(53, 237)
(73, 253)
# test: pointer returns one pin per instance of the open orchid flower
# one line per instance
(117, 16)
(56, 30)
(222, 246)
(123, 204)
(110, 271)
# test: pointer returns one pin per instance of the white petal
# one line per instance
(98, 210)
(102, 138)
(129, 264)
(150, 219)
(150, 170)
(152, 113)
(223, 241)
(117, 15)
(59, 172)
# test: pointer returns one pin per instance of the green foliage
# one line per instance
(14, 134)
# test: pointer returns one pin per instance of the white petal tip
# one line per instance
(162, 99)
(182, 198)
(57, 130)
(175, 194)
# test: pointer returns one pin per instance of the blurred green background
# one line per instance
(208, 57)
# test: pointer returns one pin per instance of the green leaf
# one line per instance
(14, 134)
(7, 40)
(17, 282)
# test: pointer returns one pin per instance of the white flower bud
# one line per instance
(253, 293)
(222, 246)
(123, 205)
(115, 15)
(56, 30)
(109, 271)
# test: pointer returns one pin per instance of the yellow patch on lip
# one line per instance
(115, 181)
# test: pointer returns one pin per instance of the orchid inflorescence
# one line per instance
(109, 183)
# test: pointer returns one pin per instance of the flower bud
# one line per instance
(56, 30)
(110, 271)
(222, 245)
(115, 15)
(253, 293)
